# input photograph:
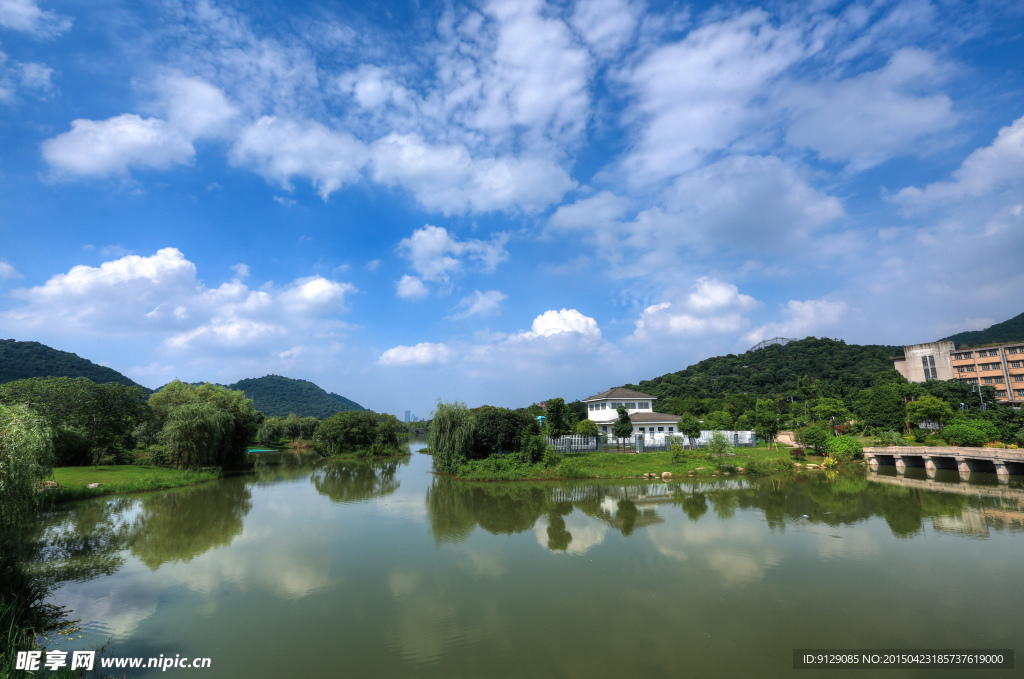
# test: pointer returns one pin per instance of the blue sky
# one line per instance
(505, 201)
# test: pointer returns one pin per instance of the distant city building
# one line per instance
(408, 415)
(1000, 366)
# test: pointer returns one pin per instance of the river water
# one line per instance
(381, 569)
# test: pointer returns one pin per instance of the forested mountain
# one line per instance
(1007, 331)
(776, 369)
(22, 360)
(277, 395)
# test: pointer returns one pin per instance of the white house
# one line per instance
(603, 409)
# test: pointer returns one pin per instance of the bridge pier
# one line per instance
(901, 465)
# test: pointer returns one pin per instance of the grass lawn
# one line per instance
(625, 465)
(122, 478)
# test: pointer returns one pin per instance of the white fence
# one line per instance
(647, 442)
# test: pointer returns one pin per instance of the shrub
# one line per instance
(572, 469)
(890, 438)
(815, 435)
(719, 445)
(830, 462)
(767, 466)
(843, 448)
(798, 453)
(969, 433)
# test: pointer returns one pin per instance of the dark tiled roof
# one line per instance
(638, 418)
(619, 392)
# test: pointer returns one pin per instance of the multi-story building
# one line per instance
(999, 366)
(603, 409)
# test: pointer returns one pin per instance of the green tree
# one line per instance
(346, 431)
(720, 420)
(882, 408)
(587, 429)
(719, 445)
(499, 430)
(832, 409)
(26, 456)
(815, 436)
(623, 427)
(929, 408)
(270, 431)
(689, 426)
(450, 436)
(767, 417)
(557, 417)
(970, 433)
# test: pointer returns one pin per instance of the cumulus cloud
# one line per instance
(710, 306)
(112, 146)
(423, 353)
(282, 149)
(447, 178)
(479, 304)
(26, 16)
(983, 172)
(873, 116)
(436, 255)
(800, 319)
(559, 322)
(194, 110)
(7, 271)
(411, 287)
(161, 296)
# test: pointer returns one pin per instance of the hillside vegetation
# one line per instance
(24, 360)
(776, 370)
(275, 395)
(1007, 331)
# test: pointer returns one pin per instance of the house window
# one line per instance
(970, 368)
(604, 406)
(987, 380)
(959, 368)
(671, 429)
(1019, 392)
(661, 428)
(1018, 378)
(631, 406)
(999, 380)
(972, 380)
(1015, 364)
(1012, 350)
(1000, 393)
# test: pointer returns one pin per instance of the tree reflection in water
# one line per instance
(181, 525)
(358, 480)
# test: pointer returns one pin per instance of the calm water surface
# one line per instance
(381, 569)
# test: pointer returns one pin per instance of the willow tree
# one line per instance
(451, 436)
(26, 452)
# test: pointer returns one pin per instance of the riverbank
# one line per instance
(760, 460)
(125, 478)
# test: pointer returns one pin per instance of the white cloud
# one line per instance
(436, 255)
(711, 306)
(606, 25)
(411, 287)
(423, 353)
(19, 76)
(111, 146)
(7, 271)
(195, 107)
(281, 149)
(983, 172)
(563, 321)
(241, 270)
(479, 304)
(161, 296)
(194, 110)
(871, 117)
(26, 16)
(449, 179)
(800, 319)
(698, 96)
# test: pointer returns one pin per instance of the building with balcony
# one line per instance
(603, 409)
(1000, 366)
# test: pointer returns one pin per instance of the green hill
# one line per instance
(22, 360)
(276, 395)
(776, 369)
(1007, 331)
